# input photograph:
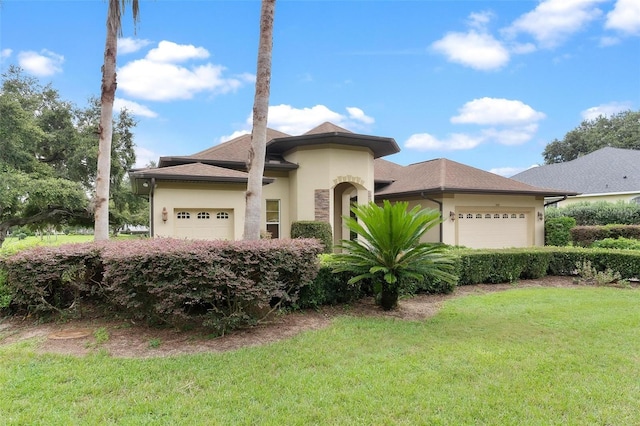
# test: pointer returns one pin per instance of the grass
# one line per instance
(535, 356)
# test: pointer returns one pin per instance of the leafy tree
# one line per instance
(619, 131)
(257, 152)
(107, 97)
(48, 158)
(388, 250)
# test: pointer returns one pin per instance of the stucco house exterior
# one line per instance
(608, 174)
(318, 175)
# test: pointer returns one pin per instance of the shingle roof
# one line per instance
(442, 175)
(327, 127)
(236, 149)
(386, 171)
(188, 172)
(603, 171)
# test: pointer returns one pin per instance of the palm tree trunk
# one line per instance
(105, 129)
(255, 161)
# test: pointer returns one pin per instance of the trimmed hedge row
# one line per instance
(499, 266)
(584, 236)
(219, 284)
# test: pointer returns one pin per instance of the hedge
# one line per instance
(314, 229)
(584, 236)
(510, 265)
(219, 284)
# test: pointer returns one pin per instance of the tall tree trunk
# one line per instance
(107, 96)
(257, 152)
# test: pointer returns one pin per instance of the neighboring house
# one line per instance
(318, 175)
(608, 174)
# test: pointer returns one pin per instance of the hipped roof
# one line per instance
(442, 175)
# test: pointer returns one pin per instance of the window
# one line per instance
(204, 215)
(487, 216)
(469, 216)
(183, 215)
(505, 216)
(460, 216)
(273, 218)
(496, 216)
(521, 215)
(222, 215)
(514, 216)
(478, 215)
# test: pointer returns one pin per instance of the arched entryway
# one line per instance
(344, 195)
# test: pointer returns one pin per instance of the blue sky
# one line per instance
(484, 83)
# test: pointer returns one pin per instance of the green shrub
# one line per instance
(219, 284)
(558, 231)
(599, 213)
(585, 236)
(314, 229)
(54, 279)
(5, 292)
(330, 289)
(500, 266)
(618, 243)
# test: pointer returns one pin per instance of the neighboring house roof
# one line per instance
(193, 172)
(607, 170)
(442, 175)
(328, 133)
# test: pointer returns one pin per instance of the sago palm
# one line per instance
(388, 250)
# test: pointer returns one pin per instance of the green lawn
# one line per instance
(530, 356)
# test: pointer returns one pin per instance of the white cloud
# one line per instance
(605, 110)
(455, 141)
(168, 51)
(507, 171)
(144, 156)
(480, 20)
(5, 53)
(296, 121)
(133, 107)
(473, 49)
(496, 111)
(507, 122)
(42, 64)
(130, 45)
(233, 135)
(625, 17)
(157, 78)
(511, 136)
(359, 115)
(552, 21)
(609, 41)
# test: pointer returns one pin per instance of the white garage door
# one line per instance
(203, 224)
(496, 229)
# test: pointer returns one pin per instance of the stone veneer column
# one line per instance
(322, 205)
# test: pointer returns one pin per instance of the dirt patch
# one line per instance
(130, 340)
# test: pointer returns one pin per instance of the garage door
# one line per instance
(496, 229)
(203, 224)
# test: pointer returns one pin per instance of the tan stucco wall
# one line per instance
(278, 190)
(463, 203)
(432, 235)
(192, 195)
(325, 167)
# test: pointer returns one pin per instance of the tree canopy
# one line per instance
(48, 155)
(621, 130)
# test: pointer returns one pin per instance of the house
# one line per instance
(318, 175)
(608, 174)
